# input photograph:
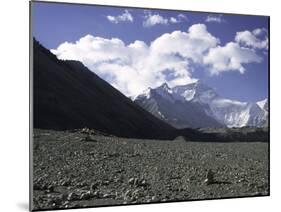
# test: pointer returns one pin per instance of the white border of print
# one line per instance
(14, 113)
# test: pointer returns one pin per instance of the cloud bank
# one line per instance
(169, 58)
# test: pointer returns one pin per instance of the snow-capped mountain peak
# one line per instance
(164, 86)
(165, 91)
(198, 95)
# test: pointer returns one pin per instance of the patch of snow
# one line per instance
(263, 104)
(146, 94)
(161, 115)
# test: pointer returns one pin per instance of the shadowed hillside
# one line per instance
(67, 95)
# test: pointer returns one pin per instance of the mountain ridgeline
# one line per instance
(67, 96)
(197, 105)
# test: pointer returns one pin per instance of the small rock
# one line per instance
(37, 186)
(63, 196)
(137, 182)
(97, 194)
(192, 178)
(154, 198)
(127, 195)
(131, 181)
(106, 196)
(54, 200)
(85, 196)
(119, 171)
(257, 193)
(81, 184)
(209, 177)
(72, 196)
(65, 183)
(90, 138)
(117, 179)
(50, 188)
(94, 186)
(142, 183)
(133, 198)
(85, 130)
(242, 180)
(66, 203)
(106, 182)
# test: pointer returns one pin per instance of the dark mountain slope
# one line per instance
(67, 95)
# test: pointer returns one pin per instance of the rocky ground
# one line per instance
(84, 168)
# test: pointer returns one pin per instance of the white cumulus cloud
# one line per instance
(154, 19)
(174, 20)
(151, 20)
(230, 57)
(189, 45)
(126, 16)
(132, 68)
(260, 31)
(180, 18)
(258, 38)
(215, 18)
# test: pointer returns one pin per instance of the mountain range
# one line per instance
(196, 105)
(66, 95)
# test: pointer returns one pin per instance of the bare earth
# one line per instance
(74, 169)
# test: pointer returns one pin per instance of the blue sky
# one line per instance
(228, 52)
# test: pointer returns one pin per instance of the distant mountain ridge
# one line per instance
(164, 104)
(198, 105)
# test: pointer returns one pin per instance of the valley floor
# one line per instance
(76, 169)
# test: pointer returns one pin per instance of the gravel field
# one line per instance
(80, 169)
